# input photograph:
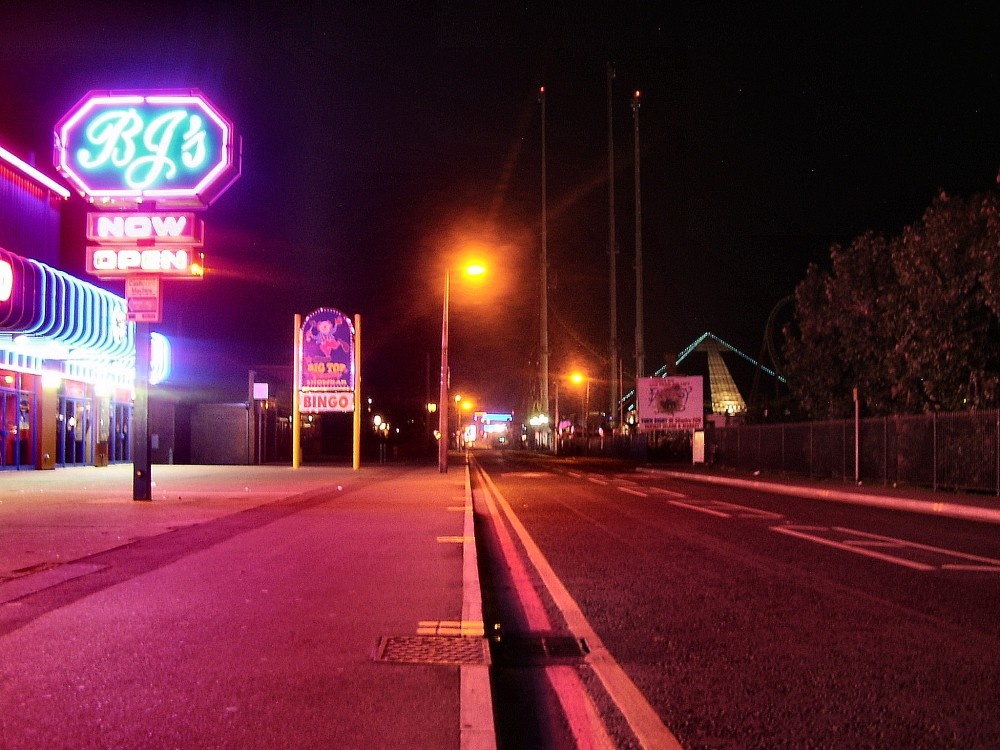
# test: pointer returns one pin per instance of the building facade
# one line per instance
(67, 350)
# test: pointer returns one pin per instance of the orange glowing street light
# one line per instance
(472, 269)
(579, 378)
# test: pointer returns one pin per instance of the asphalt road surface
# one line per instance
(752, 620)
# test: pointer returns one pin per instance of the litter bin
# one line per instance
(101, 454)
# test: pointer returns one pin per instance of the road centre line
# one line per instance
(595, 480)
(661, 491)
(972, 568)
(722, 509)
(745, 511)
(700, 509)
(630, 491)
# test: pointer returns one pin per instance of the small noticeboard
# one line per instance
(142, 295)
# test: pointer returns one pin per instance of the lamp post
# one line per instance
(473, 269)
(558, 431)
(443, 395)
(578, 378)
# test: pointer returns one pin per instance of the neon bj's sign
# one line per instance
(171, 147)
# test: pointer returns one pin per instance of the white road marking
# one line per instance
(700, 509)
(801, 534)
(906, 553)
(745, 511)
(630, 491)
(661, 491)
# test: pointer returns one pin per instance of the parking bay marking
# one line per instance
(722, 509)
(868, 544)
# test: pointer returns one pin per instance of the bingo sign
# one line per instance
(326, 361)
(173, 148)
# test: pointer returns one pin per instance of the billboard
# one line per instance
(326, 361)
(674, 403)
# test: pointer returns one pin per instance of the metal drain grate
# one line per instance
(538, 649)
(432, 649)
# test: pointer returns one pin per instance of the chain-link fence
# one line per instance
(942, 451)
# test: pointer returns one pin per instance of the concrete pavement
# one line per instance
(58, 529)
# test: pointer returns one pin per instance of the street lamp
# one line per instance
(558, 431)
(473, 269)
(578, 378)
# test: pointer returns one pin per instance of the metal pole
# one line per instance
(934, 451)
(427, 398)
(142, 484)
(555, 442)
(544, 311)
(443, 438)
(857, 438)
(640, 352)
(296, 381)
(356, 463)
(612, 261)
(251, 420)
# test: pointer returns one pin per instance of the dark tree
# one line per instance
(913, 322)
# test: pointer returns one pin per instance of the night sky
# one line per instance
(379, 143)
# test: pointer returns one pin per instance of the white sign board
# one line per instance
(142, 296)
(316, 402)
(675, 403)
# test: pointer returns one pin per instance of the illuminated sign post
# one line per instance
(327, 371)
(171, 152)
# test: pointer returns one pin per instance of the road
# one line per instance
(752, 620)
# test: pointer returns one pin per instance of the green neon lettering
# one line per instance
(147, 152)
(113, 133)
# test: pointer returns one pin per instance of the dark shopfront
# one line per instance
(91, 430)
(74, 427)
(46, 421)
(17, 409)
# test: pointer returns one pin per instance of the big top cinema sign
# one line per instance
(174, 148)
